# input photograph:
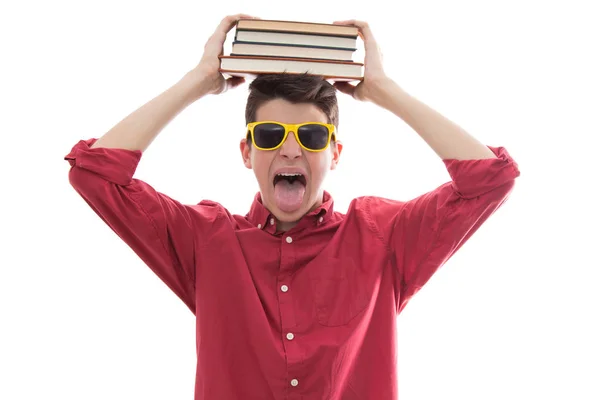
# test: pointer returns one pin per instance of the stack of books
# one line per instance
(270, 46)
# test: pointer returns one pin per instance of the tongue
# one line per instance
(288, 196)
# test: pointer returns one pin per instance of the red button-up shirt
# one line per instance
(305, 314)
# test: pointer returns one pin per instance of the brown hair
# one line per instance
(295, 88)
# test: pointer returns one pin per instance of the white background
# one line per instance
(514, 314)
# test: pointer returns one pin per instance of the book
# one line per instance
(253, 57)
(300, 39)
(296, 26)
(293, 51)
(251, 66)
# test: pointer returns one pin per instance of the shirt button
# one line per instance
(284, 288)
(320, 219)
(272, 221)
(259, 226)
(294, 382)
(289, 336)
(288, 239)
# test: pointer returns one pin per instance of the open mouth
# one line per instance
(290, 177)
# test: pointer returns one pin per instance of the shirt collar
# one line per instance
(260, 216)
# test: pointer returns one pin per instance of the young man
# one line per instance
(293, 300)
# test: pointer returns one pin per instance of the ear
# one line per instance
(336, 149)
(245, 150)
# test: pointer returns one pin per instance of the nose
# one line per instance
(291, 148)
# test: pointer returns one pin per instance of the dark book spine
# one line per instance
(295, 45)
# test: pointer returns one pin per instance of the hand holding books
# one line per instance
(374, 74)
(206, 75)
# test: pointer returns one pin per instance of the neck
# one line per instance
(284, 226)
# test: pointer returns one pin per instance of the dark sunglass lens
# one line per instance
(268, 135)
(314, 136)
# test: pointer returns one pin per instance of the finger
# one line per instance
(364, 31)
(236, 17)
(344, 22)
(217, 39)
(229, 22)
(345, 87)
(354, 22)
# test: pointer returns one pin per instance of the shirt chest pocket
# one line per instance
(339, 293)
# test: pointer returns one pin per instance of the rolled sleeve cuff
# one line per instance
(114, 165)
(472, 178)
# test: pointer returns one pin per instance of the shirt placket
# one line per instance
(288, 319)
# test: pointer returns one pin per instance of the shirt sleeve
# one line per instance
(159, 229)
(423, 233)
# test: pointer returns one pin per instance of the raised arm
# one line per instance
(422, 234)
(163, 232)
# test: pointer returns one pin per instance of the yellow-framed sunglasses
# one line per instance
(270, 135)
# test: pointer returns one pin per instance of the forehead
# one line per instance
(292, 113)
